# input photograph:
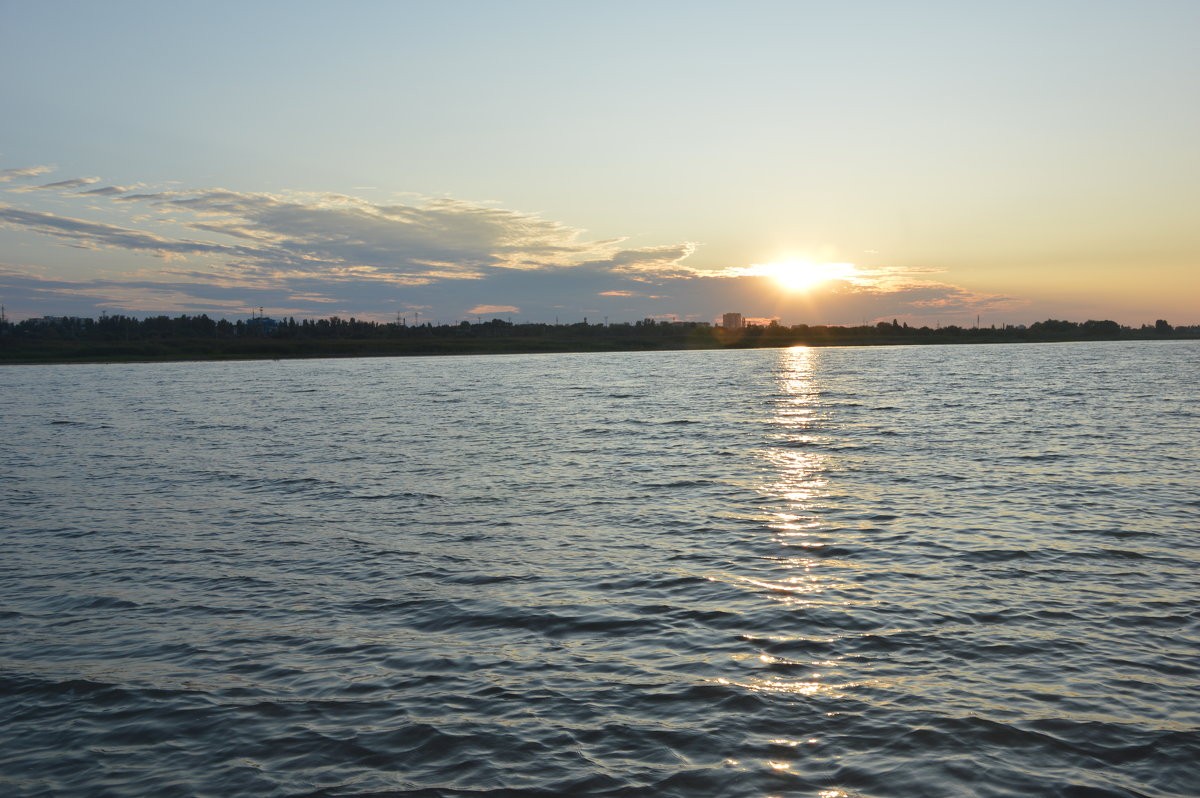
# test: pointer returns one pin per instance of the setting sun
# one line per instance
(801, 275)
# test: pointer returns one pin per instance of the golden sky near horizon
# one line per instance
(1015, 162)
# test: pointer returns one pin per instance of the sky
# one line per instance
(811, 162)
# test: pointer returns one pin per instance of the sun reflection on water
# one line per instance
(796, 462)
(792, 492)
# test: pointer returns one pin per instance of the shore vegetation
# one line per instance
(128, 338)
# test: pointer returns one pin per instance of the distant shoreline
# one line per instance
(15, 351)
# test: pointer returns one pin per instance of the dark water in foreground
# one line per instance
(953, 571)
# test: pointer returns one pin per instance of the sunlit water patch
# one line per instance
(951, 571)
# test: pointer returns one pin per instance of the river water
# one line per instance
(903, 571)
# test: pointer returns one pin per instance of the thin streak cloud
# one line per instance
(94, 234)
(26, 171)
(61, 184)
(103, 191)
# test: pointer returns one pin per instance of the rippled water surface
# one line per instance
(950, 571)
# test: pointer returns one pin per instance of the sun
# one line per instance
(801, 275)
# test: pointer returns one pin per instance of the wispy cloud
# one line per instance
(61, 184)
(661, 261)
(83, 233)
(26, 171)
(104, 191)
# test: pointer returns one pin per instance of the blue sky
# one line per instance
(539, 160)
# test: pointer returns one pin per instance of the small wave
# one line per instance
(488, 579)
(392, 496)
(998, 555)
(92, 602)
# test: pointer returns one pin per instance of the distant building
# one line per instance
(261, 325)
(733, 321)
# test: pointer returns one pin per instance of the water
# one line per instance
(950, 571)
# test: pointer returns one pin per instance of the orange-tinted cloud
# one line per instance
(480, 310)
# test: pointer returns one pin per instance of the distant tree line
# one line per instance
(127, 337)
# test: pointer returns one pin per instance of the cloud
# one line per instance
(662, 261)
(103, 191)
(312, 253)
(311, 297)
(941, 296)
(569, 294)
(27, 171)
(143, 197)
(328, 233)
(28, 294)
(61, 184)
(94, 234)
(337, 235)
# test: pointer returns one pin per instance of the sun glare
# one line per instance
(801, 275)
